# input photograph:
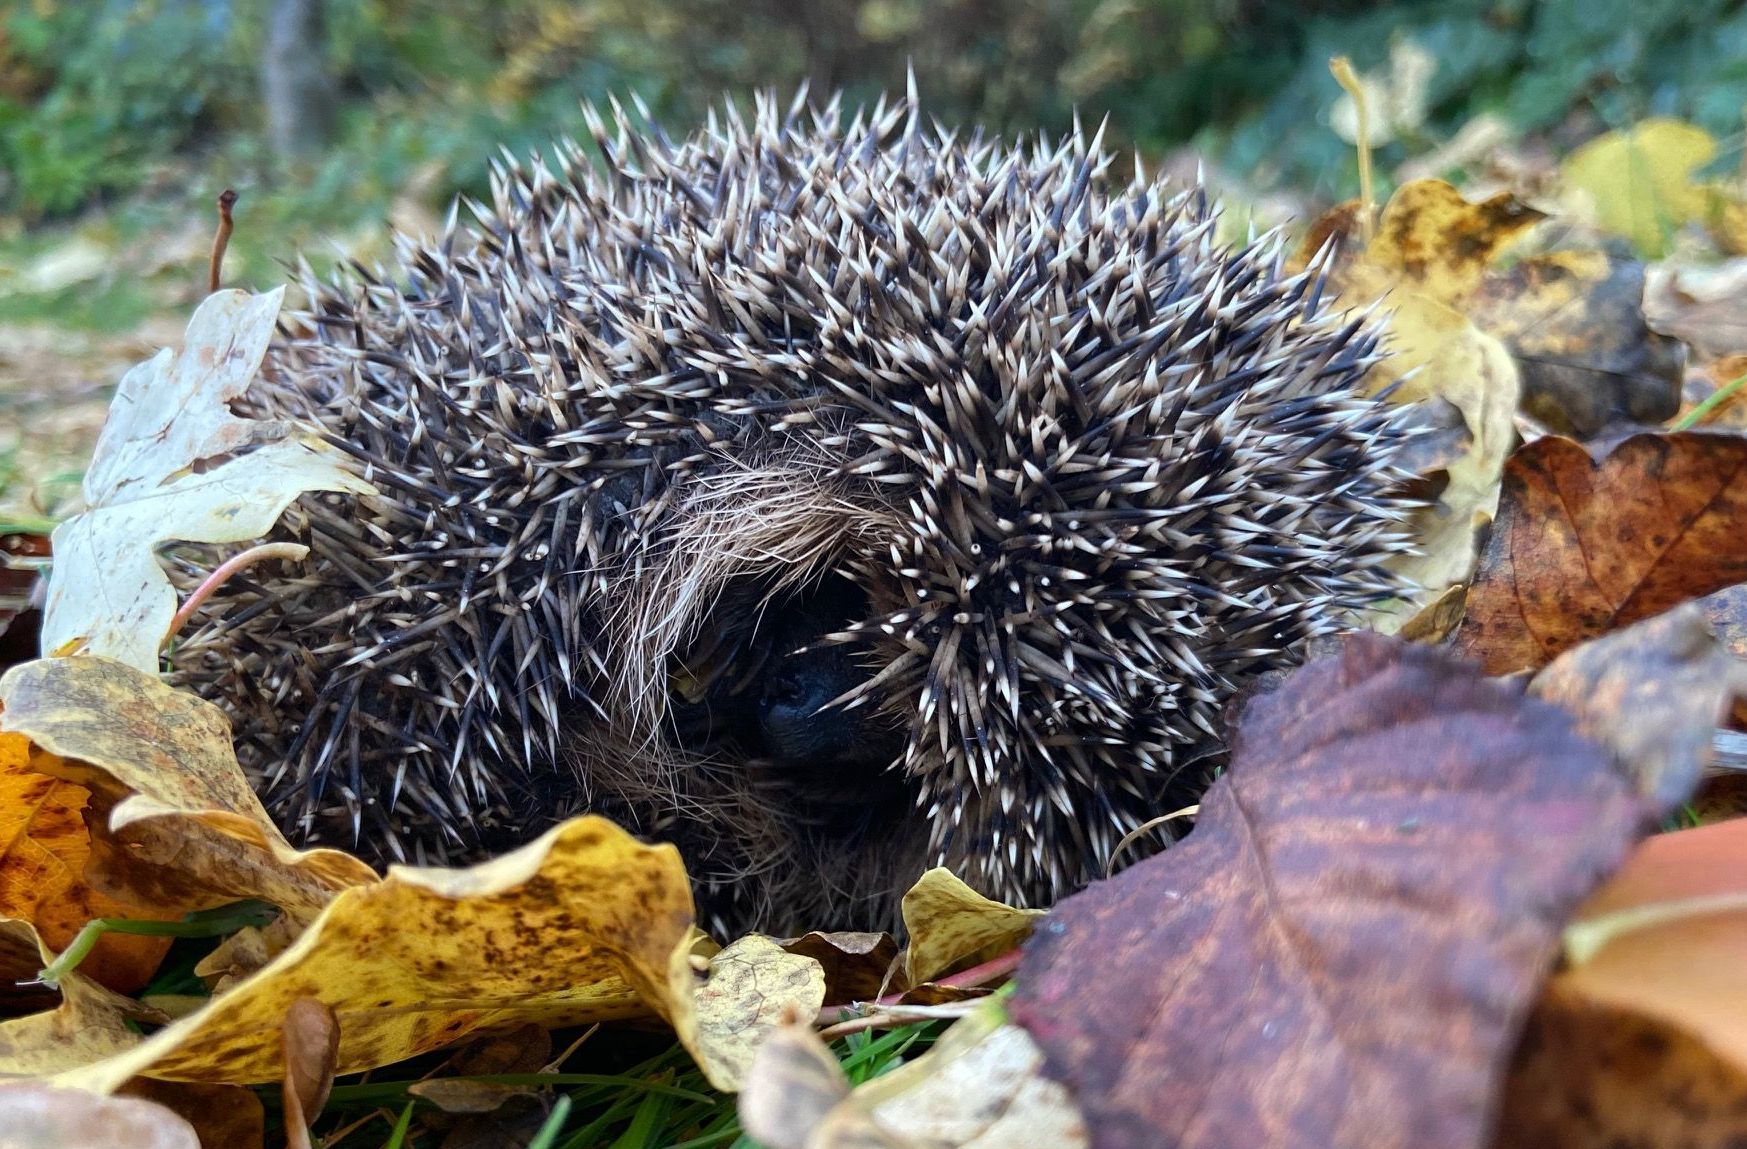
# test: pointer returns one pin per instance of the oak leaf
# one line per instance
(1582, 547)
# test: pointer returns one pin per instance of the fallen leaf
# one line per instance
(225, 1116)
(794, 1081)
(1430, 254)
(90, 1024)
(453, 1096)
(952, 927)
(184, 830)
(1581, 548)
(1668, 934)
(1645, 1041)
(310, 1045)
(1653, 694)
(1704, 306)
(36, 1116)
(1640, 182)
(982, 1086)
(857, 966)
(1574, 323)
(583, 924)
(44, 845)
(175, 465)
(748, 988)
(1342, 950)
(1589, 1077)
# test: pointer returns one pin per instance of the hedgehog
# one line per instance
(829, 494)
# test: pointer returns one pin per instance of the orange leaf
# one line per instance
(44, 845)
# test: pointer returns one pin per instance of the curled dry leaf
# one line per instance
(90, 1024)
(183, 829)
(794, 1081)
(1574, 322)
(1343, 949)
(38, 1116)
(857, 966)
(44, 845)
(584, 924)
(1581, 547)
(310, 1045)
(952, 927)
(174, 465)
(1431, 251)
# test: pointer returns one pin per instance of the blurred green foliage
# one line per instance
(99, 97)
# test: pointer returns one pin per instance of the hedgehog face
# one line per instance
(1025, 463)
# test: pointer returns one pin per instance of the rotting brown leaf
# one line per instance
(182, 828)
(1574, 322)
(225, 1116)
(37, 1116)
(1581, 547)
(1343, 949)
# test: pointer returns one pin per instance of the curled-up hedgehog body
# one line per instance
(833, 499)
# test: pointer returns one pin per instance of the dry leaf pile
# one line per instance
(1393, 923)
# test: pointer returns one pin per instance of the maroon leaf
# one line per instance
(1343, 951)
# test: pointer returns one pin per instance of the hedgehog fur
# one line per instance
(1079, 471)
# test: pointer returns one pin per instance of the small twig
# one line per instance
(227, 199)
(973, 978)
(220, 575)
(1348, 79)
(899, 1015)
(1133, 835)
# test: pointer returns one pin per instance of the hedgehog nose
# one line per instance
(797, 729)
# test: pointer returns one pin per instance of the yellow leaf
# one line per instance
(184, 830)
(1639, 182)
(585, 924)
(89, 1025)
(951, 926)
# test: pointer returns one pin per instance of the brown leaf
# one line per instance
(225, 1116)
(857, 965)
(1574, 321)
(750, 985)
(310, 1044)
(35, 1116)
(1581, 548)
(1587, 1076)
(1342, 950)
(1653, 694)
